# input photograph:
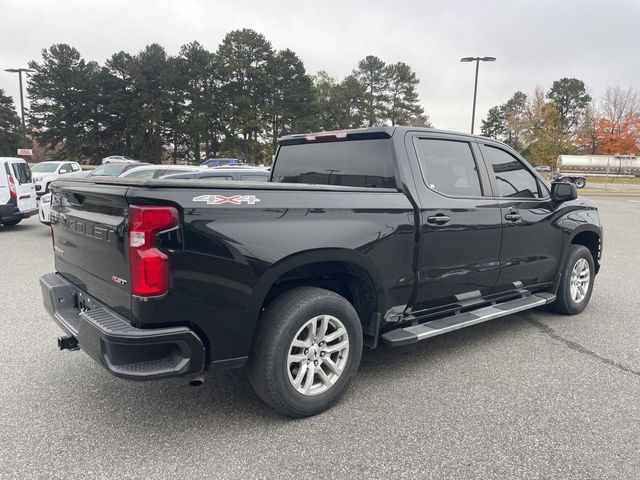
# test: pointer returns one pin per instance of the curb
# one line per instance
(613, 194)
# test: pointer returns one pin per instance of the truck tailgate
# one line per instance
(89, 227)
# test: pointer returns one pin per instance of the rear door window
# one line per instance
(448, 167)
(21, 172)
(512, 178)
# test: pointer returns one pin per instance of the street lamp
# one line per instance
(19, 72)
(475, 86)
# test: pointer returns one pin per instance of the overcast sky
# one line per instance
(535, 42)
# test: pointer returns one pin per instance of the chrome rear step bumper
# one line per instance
(422, 331)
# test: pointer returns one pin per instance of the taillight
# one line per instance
(12, 187)
(148, 265)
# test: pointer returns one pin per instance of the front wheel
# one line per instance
(576, 283)
(306, 352)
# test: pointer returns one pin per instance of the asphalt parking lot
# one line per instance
(533, 395)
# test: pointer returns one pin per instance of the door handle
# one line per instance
(438, 219)
(512, 216)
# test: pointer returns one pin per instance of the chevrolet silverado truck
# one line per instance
(382, 235)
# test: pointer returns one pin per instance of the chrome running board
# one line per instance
(422, 331)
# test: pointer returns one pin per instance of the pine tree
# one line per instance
(571, 99)
(494, 126)
(119, 104)
(351, 102)
(175, 132)
(373, 75)
(404, 106)
(193, 65)
(10, 127)
(515, 111)
(243, 58)
(150, 77)
(293, 104)
(64, 103)
(324, 87)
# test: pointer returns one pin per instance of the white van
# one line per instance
(17, 192)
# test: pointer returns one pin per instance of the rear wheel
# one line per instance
(576, 283)
(580, 182)
(306, 352)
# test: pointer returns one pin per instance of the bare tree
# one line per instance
(619, 106)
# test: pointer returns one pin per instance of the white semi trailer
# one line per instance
(577, 168)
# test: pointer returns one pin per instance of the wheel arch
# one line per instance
(590, 238)
(347, 272)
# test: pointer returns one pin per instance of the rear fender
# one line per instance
(280, 268)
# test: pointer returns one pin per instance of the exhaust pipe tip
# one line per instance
(196, 381)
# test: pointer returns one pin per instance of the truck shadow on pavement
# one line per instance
(226, 398)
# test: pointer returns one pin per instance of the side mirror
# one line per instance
(563, 191)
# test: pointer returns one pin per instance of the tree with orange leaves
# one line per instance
(617, 138)
(617, 130)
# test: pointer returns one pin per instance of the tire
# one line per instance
(288, 320)
(580, 182)
(11, 223)
(566, 301)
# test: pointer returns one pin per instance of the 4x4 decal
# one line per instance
(221, 199)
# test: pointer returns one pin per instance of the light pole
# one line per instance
(19, 72)
(475, 85)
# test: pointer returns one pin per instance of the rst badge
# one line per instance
(233, 200)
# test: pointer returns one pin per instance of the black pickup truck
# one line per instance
(390, 234)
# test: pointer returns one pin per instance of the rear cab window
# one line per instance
(353, 163)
